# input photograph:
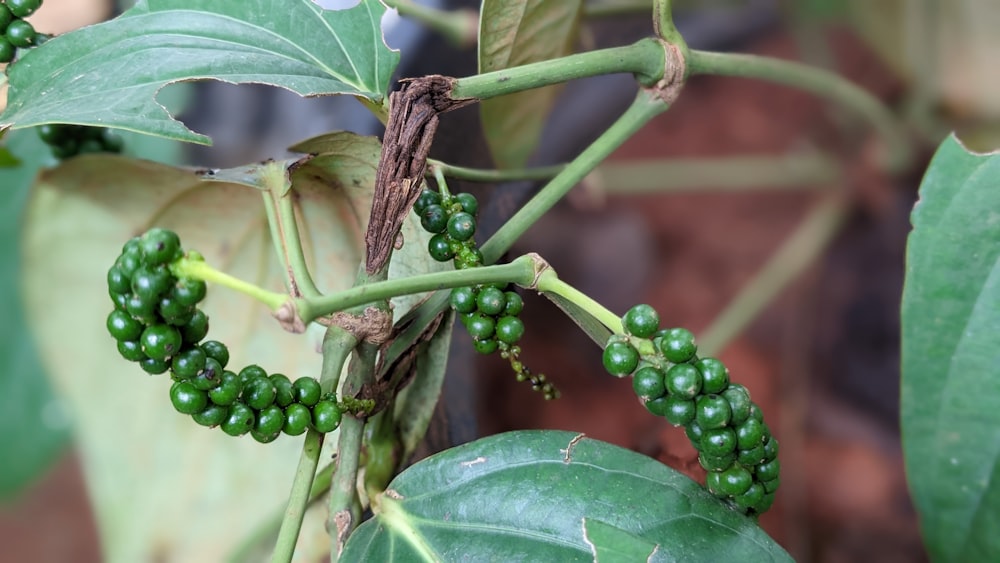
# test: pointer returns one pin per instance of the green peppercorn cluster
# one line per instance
(15, 31)
(488, 312)
(158, 324)
(67, 141)
(735, 446)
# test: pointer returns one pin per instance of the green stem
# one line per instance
(798, 251)
(645, 106)
(803, 170)
(663, 24)
(460, 27)
(269, 529)
(520, 271)
(442, 183)
(337, 346)
(644, 58)
(295, 256)
(486, 175)
(822, 83)
(345, 511)
(201, 270)
(549, 282)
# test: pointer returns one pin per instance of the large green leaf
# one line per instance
(552, 496)
(164, 488)
(513, 33)
(109, 74)
(31, 438)
(951, 355)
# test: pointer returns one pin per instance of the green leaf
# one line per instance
(535, 496)
(29, 413)
(513, 33)
(951, 390)
(611, 544)
(109, 74)
(162, 486)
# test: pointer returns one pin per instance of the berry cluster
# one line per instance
(14, 30)
(67, 141)
(488, 312)
(735, 445)
(158, 324)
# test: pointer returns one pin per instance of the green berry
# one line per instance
(713, 463)
(188, 363)
(118, 282)
(150, 283)
(752, 497)
(713, 483)
(426, 199)
(491, 301)
(5, 18)
(122, 326)
(228, 390)
(153, 366)
(174, 313)
(210, 377)
(509, 329)
(187, 399)
(772, 485)
(677, 345)
(307, 391)
(20, 33)
(468, 202)
(23, 8)
(735, 480)
(240, 420)
(196, 328)
(751, 457)
(648, 383)
(718, 441)
(188, 291)
(620, 358)
(770, 448)
(683, 381)
(658, 406)
(212, 416)
(160, 341)
(252, 371)
(284, 394)
(326, 416)
(679, 411)
(439, 248)
(750, 434)
(486, 346)
(131, 350)
(67, 149)
(463, 299)
(7, 51)
(694, 433)
(259, 393)
(269, 423)
(481, 327)
(713, 411)
(461, 226)
(641, 321)
(765, 504)
(128, 263)
(159, 246)
(434, 219)
(739, 402)
(768, 471)
(143, 310)
(112, 141)
(50, 133)
(120, 300)
(298, 417)
(714, 374)
(514, 303)
(216, 350)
